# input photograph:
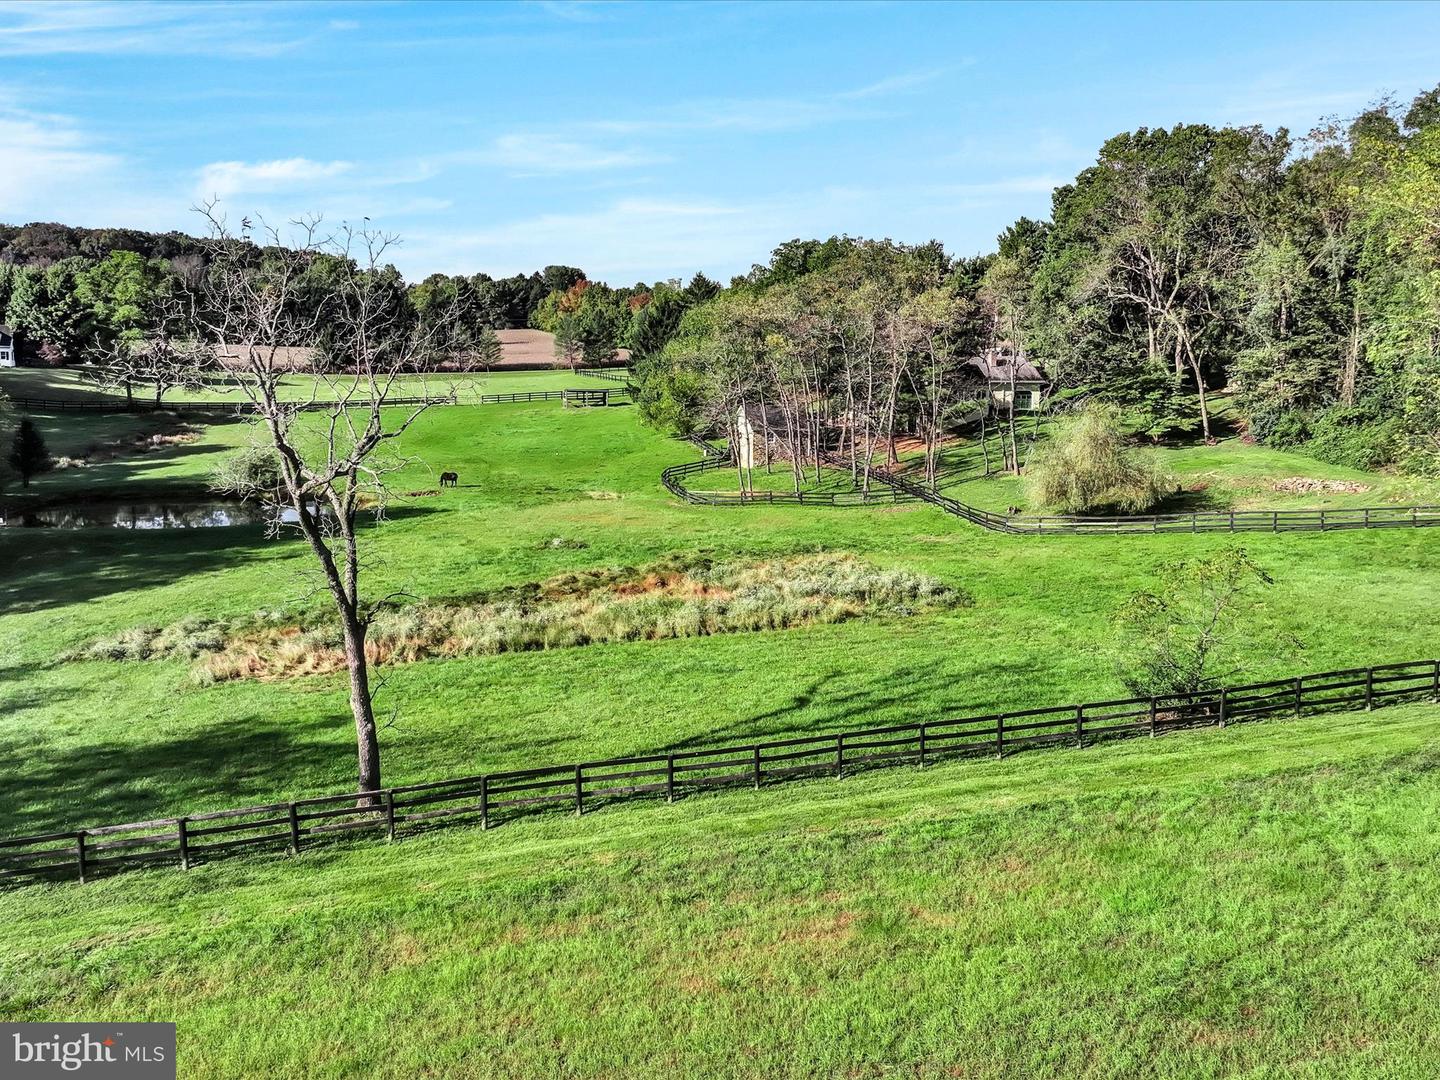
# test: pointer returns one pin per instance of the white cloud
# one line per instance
(228, 178)
(232, 29)
(42, 152)
(541, 154)
(1002, 188)
(583, 11)
(636, 238)
(894, 84)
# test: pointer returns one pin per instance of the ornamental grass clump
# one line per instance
(668, 600)
(1088, 466)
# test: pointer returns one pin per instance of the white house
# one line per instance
(7, 346)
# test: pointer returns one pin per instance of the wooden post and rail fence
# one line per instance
(899, 488)
(486, 800)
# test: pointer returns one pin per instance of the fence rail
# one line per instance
(119, 405)
(673, 479)
(1201, 521)
(1234, 521)
(492, 798)
(622, 377)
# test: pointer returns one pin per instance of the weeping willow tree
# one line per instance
(1088, 465)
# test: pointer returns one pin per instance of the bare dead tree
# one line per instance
(162, 355)
(934, 322)
(334, 447)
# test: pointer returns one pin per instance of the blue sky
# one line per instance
(644, 141)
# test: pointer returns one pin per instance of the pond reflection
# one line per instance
(140, 515)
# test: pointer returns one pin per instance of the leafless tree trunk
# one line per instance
(1352, 358)
(337, 446)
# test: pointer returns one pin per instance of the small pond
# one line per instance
(214, 514)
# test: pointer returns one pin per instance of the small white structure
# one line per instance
(759, 435)
(745, 440)
(7, 346)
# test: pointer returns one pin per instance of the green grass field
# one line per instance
(69, 384)
(1231, 475)
(1255, 901)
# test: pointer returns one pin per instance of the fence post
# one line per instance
(839, 755)
(670, 778)
(922, 736)
(1000, 736)
(1152, 718)
(1298, 696)
(579, 792)
(484, 802)
(1435, 681)
(294, 830)
(1322, 520)
(390, 814)
(80, 855)
(1232, 521)
(184, 843)
(757, 766)
(1224, 703)
(1079, 726)
(1369, 689)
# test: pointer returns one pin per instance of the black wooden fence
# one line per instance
(1208, 521)
(1200, 521)
(119, 405)
(674, 477)
(622, 377)
(495, 797)
(235, 405)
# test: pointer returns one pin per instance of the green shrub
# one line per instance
(1175, 640)
(1088, 466)
(1284, 429)
(253, 471)
(1357, 437)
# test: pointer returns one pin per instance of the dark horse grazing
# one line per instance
(449, 479)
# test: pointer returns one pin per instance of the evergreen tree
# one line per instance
(28, 455)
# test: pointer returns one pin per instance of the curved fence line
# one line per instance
(493, 798)
(1199, 521)
(673, 480)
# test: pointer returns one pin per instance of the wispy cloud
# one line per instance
(586, 11)
(540, 154)
(42, 150)
(894, 84)
(637, 238)
(147, 28)
(998, 189)
(226, 179)
(582, 146)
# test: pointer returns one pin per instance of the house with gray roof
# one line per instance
(1008, 378)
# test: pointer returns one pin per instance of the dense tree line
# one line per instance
(73, 293)
(1300, 275)
(590, 320)
(833, 349)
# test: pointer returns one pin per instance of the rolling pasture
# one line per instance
(1254, 900)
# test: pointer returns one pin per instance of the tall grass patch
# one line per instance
(668, 600)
